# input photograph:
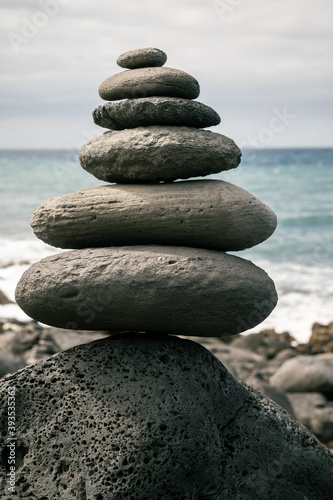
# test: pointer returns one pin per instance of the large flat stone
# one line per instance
(208, 214)
(158, 153)
(141, 58)
(137, 417)
(147, 111)
(161, 289)
(144, 82)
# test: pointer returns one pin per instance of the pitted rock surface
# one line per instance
(162, 289)
(147, 111)
(158, 153)
(210, 214)
(141, 58)
(144, 82)
(134, 418)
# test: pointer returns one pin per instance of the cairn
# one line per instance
(143, 413)
(150, 253)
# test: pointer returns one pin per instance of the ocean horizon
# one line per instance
(295, 182)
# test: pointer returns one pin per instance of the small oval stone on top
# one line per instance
(142, 58)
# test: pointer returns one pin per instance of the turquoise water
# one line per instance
(296, 183)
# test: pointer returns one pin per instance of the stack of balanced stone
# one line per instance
(150, 253)
(142, 414)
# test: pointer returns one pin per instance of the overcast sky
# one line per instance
(264, 65)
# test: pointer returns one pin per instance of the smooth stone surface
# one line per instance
(158, 153)
(161, 289)
(144, 82)
(147, 111)
(322, 423)
(305, 404)
(210, 214)
(136, 417)
(141, 58)
(306, 374)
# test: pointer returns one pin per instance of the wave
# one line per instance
(307, 220)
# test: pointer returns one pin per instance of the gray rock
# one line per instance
(145, 82)
(257, 382)
(306, 374)
(141, 58)
(267, 342)
(138, 417)
(147, 288)
(240, 362)
(147, 111)
(304, 405)
(211, 214)
(158, 153)
(9, 363)
(322, 423)
(4, 300)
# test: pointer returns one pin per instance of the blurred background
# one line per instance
(264, 66)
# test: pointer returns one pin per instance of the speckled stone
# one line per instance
(137, 417)
(147, 111)
(158, 153)
(144, 82)
(159, 289)
(141, 58)
(200, 213)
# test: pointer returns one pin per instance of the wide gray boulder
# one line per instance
(144, 82)
(162, 289)
(208, 214)
(147, 111)
(134, 417)
(158, 153)
(306, 374)
(141, 58)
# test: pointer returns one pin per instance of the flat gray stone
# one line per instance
(141, 58)
(144, 82)
(147, 111)
(204, 213)
(161, 289)
(134, 417)
(158, 153)
(306, 374)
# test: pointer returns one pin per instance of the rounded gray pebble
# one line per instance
(147, 111)
(144, 82)
(203, 213)
(173, 290)
(142, 58)
(157, 154)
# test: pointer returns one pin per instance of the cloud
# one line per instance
(256, 56)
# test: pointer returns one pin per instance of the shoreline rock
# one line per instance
(25, 343)
(178, 402)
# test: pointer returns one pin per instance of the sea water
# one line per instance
(296, 183)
